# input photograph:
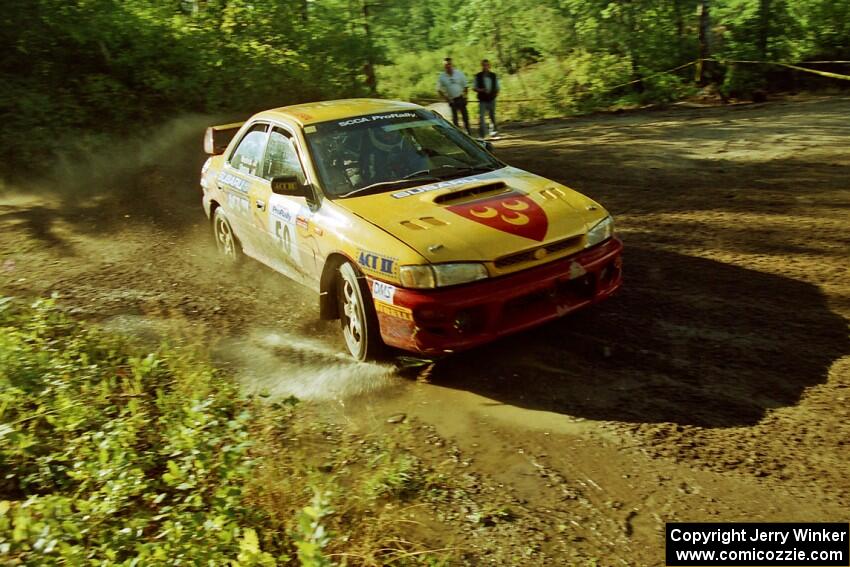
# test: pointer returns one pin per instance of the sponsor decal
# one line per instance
(438, 186)
(233, 182)
(376, 262)
(282, 213)
(284, 237)
(383, 291)
(302, 222)
(394, 311)
(375, 117)
(238, 204)
(513, 212)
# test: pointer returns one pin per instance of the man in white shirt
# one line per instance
(451, 85)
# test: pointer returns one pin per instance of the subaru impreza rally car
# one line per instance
(413, 234)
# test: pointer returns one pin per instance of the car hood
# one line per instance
(508, 218)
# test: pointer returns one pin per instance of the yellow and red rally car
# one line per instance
(413, 234)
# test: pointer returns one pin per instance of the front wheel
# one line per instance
(357, 314)
(225, 240)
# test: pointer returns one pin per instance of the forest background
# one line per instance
(77, 74)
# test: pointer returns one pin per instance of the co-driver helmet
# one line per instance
(384, 139)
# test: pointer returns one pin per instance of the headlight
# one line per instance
(602, 231)
(417, 276)
(453, 274)
(441, 275)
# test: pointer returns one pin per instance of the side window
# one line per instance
(248, 154)
(281, 157)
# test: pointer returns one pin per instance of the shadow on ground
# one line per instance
(151, 180)
(689, 341)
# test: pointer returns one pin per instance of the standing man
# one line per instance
(452, 86)
(487, 87)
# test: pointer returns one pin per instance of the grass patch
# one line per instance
(120, 455)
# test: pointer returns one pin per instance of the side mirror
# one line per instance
(485, 144)
(290, 186)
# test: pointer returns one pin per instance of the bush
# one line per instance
(658, 88)
(579, 82)
(115, 456)
(742, 81)
(413, 75)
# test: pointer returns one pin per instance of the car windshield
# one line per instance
(387, 151)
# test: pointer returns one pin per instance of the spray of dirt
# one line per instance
(281, 364)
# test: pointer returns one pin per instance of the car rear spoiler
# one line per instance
(216, 138)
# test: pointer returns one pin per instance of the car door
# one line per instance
(285, 219)
(239, 180)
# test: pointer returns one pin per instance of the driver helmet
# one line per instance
(385, 140)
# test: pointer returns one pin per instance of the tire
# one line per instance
(225, 240)
(357, 314)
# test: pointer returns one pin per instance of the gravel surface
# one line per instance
(714, 388)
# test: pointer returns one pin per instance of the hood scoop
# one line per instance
(470, 193)
(423, 223)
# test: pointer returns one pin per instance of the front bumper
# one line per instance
(449, 320)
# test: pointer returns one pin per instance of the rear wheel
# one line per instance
(225, 240)
(357, 314)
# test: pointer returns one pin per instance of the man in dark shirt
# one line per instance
(487, 87)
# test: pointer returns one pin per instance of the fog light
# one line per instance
(430, 314)
(464, 321)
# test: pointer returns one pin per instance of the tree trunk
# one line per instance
(369, 67)
(704, 40)
(680, 26)
(764, 28)
(631, 47)
(497, 38)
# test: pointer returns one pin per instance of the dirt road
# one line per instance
(716, 386)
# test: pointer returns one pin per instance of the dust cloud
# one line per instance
(114, 165)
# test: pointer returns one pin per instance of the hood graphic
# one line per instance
(483, 217)
(511, 212)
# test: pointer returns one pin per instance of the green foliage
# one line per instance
(395, 475)
(658, 88)
(742, 81)
(115, 456)
(825, 28)
(77, 74)
(312, 537)
(569, 55)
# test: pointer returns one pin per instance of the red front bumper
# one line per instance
(458, 318)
